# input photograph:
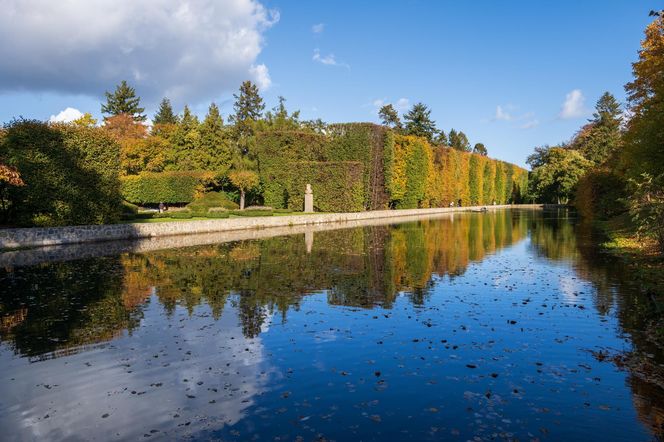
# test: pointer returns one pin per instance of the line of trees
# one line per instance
(417, 121)
(614, 164)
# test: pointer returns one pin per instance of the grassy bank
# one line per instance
(639, 254)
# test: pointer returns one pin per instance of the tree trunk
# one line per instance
(241, 199)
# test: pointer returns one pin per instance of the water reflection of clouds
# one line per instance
(131, 387)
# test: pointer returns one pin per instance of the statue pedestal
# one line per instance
(308, 200)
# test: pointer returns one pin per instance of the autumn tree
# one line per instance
(244, 180)
(123, 101)
(9, 177)
(389, 117)
(86, 120)
(480, 149)
(418, 122)
(165, 114)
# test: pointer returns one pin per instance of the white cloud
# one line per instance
(329, 60)
(318, 28)
(189, 51)
(66, 116)
(573, 107)
(402, 104)
(502, 114)
(530, 124)
(260, 76)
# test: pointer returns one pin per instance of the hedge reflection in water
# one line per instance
(55, 309)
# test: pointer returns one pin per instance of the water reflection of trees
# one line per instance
(61, 306)
(615, 289)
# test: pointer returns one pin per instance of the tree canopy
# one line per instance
(418, 122)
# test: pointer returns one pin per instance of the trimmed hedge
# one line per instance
(210, 200)
(420, 175)
(337, 185)
(276, 151)
(70, 175)
(164, 187)
(366, 143)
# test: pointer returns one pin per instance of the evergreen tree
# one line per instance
(480, 149)
(459, 141)
(601, 137)
(389, 116)
(278, 118)
(165, 113)
(215, 149)
(418, 122)
(123, 101)
(441, 139)
(248, 108)
(186, 141)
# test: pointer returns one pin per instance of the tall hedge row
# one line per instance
(277, 151)
(448, 176)
(166, 187)
(363, 142)
(70, 175)
(338, 186)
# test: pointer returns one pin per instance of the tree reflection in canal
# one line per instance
(457, 327)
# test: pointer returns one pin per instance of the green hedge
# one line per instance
(276, 151)
(164, 187)
(366, 143)
(70, 175)
(337, 186)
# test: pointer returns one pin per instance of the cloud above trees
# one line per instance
(186, 50)
(574, 105)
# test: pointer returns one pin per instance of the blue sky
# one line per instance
(499, 71)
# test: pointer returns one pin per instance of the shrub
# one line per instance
(212, 200)
(70, 174)
(129, 210)
(217, 214)
(180, 214)
(164, 187)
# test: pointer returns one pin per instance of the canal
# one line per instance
(488, 326)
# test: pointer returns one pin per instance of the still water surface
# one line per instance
(484, 326)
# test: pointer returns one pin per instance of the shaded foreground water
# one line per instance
(489, 326)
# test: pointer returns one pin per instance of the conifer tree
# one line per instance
(598, 140)
(165, 114)
(389, 116)
(123, 101)
(248, 108)
(216, 153)
(418, 122)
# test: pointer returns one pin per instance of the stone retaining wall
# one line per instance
(37, 237)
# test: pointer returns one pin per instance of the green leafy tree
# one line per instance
(646, 206)
(555, 179)
(480, 149)
(390, 117)
(418, 122)
(244, 180)
(165, 113)
(248, 109)
(123, 101)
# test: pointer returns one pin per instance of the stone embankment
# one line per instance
(39, 237)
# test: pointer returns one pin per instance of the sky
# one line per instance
(510, 74)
